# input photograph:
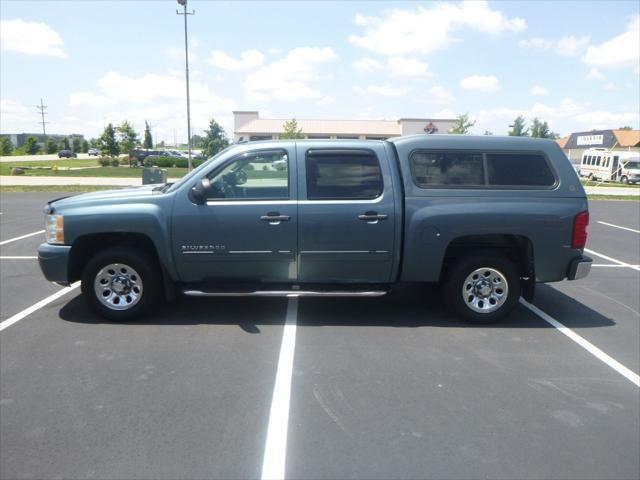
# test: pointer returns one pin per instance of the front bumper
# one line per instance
(579, 267)
(54, 262)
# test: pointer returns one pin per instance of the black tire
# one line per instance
(624, 180)
(457, 275)
(145, 267)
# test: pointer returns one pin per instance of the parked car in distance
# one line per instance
(93, 152)
(485, 217)
(67, 154)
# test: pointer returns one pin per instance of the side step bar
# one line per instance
(286, 293)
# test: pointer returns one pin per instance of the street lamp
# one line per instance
(186, 56)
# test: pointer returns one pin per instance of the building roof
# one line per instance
(324, 127)
(628, 138)
(563, 141)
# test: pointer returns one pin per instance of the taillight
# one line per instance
(580, 224)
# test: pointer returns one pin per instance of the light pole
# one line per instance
(186, 56)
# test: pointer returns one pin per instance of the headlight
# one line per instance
(54, 229)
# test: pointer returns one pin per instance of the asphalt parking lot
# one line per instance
(392, 387)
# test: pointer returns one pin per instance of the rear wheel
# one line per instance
(121, 283)
(482, 287)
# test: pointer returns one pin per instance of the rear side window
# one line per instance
(343, 175)
(517, 169)
(477, 169)
(447, 169)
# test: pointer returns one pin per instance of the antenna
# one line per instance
(41, 108)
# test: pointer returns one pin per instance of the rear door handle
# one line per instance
(274, 218)
(372, 217)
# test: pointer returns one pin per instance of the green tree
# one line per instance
(108, 143)
(127, 137)
(291, 130)
(85, 146)
(462, 125)
(488, 132)
(77, 144)
(626, 127)
(64, 144)
(197, 141)
(94, 143)
(148, 139)
(6, 147)
(50, 146)
(540, 129)
(31, 146)
(519, 128)
(215, 139)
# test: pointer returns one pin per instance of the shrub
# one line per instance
(115, 162)
(124, 160)
(169, 162)
(104, 161)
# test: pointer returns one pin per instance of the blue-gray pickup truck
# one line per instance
(486, 217)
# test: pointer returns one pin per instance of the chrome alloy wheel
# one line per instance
(118, 286)
(485, 290)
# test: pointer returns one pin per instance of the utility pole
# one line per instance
(186, 56)
(41, 108)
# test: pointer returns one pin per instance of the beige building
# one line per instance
(248, 126)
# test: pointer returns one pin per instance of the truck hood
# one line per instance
(106, 195)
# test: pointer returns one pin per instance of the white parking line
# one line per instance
(611, 265)
(588, 346)
(623, 264)
(42, 303)
(618, 226)
(21, 237)
(275, 450)
(17, 257)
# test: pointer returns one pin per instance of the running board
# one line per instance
(286, 293)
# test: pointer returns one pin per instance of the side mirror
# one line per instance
(200, 190)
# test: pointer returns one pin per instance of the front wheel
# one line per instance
(482, 287)
(121, 283)
(624, 180)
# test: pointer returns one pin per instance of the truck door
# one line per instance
(247, 229)
(346, 221)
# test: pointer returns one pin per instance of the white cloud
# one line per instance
(606, 119)
(536, 43)
(446, 113)
(326, 100)
(539, 90)
(394, 66)
(289, 78)
(594, 74)
(366, 65)
(441, 95)
(622, 51)
(566, 46)
(425, 30)
(32, 38)
(248, 59)
(88, 98)
(14, 110)
(384, 90)
(609, 86)
(481, 83)
(570, 46)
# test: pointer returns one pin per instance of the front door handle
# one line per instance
(372, 217)
(274, 218)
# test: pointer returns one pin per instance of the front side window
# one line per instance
(343, 175)
(252, 176)
(447, 169)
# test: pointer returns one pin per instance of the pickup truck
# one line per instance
(486, 217)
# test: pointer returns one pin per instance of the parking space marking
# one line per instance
(37, 306)
(21, 237)
(618, 226)
(623, 264)
(17, 257)
(588, 346)
(610, 265)
(275, 450)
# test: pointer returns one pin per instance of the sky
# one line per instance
(575, 65)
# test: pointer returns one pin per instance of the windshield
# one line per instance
(194, 173)
(633, 165)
